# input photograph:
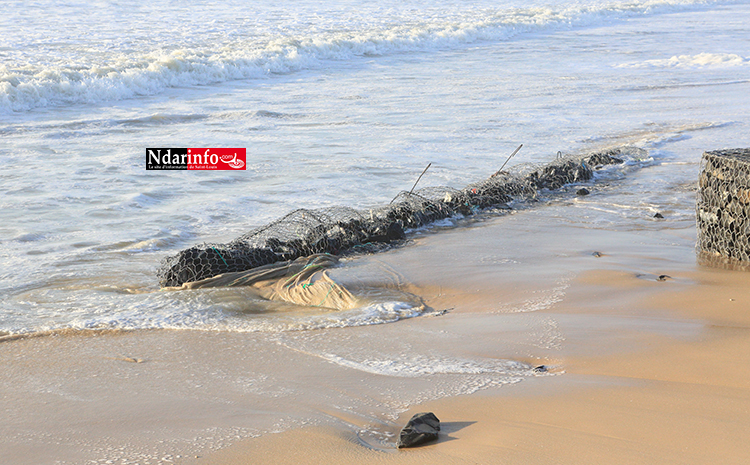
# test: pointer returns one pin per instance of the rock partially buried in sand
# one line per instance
(422, 428)
(659, 216)
(583, 191)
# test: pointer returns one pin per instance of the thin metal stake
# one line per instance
(506, 161)
(415, 184)
(420, 177)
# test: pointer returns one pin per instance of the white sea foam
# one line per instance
(373, 314)
(91, 311)
(701, 60)
(67, 75)
(541, 299)
(421, 365)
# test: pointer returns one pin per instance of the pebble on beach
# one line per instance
(421, 428)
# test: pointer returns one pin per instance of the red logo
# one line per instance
(216, 159)
(196, 159)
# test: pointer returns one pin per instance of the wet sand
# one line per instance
(641, 370)
(668, 400)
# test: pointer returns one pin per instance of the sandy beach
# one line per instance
(665, 399)
(641, 370)
(345, 109)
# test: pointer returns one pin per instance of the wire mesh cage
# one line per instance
(723, 209)
(338, 230)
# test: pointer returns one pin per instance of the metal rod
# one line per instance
(420, 177)
(415, 184)
(506, 161)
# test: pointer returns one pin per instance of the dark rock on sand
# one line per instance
(583, 191)
(658, 215)
(422, 428)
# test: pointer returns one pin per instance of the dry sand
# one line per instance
(643, 371)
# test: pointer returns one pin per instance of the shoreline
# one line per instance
(341, 106)
(673, 401)
(621, 346)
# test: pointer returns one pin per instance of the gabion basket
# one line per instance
(342, 230)
(723, 209)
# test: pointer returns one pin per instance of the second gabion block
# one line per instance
(723, 208)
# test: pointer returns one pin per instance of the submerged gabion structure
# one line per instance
(340, 230)
(723, 208)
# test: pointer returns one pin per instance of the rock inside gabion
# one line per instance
(723, 208)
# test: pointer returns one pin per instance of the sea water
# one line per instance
(342, 103)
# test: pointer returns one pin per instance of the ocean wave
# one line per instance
(113, 75)
(701, 60)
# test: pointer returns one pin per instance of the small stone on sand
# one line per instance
(422, 428)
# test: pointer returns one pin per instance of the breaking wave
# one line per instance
(122, 73)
